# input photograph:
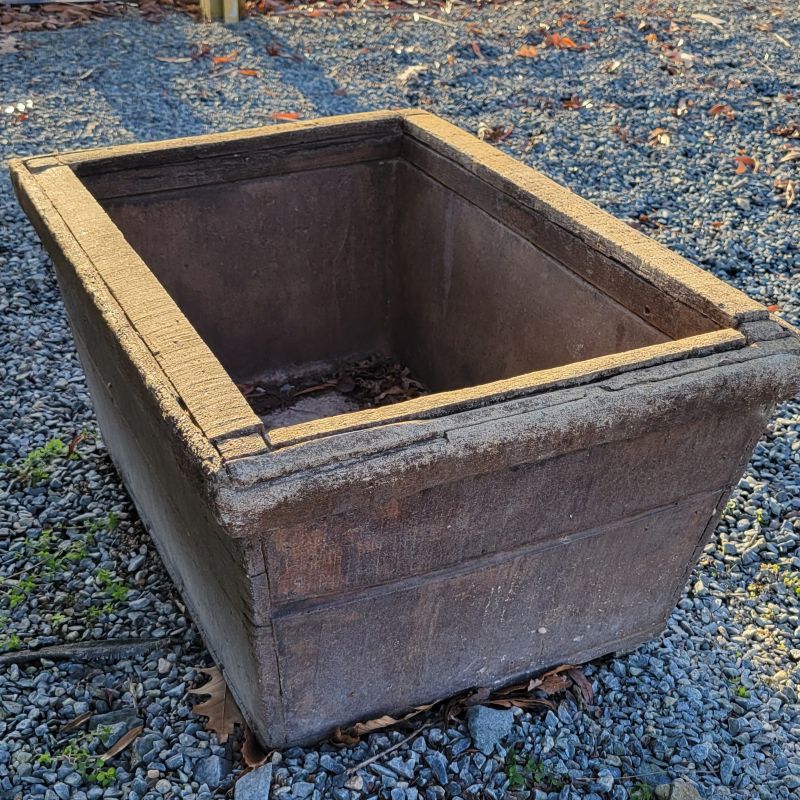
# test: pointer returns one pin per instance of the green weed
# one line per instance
(642, 791)
(37, 465)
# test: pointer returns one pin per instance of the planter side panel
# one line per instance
(495, 512)
(591, 579)
(423, 641)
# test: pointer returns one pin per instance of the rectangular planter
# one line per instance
(591, 399)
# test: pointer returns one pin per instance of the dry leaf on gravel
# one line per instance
(285, 115)
(790, 193)
(745, 163)
(708, 19)
(721, 108)
(226, 59)
(790, 130)
(560, 42)
(174, 59)
(790, 155)
(351, 735)
(220, 708)
(253, 754)
(527, 51)
(123, 742)
(531, 694)
(583, 684)
(498, 133)
(76, 722)
(659, 136)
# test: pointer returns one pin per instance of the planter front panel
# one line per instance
(591, 398)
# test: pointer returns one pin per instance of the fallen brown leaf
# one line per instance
(572, 103)
(76, 722)
(721, 108)
(285, 115)
(707, 18)
(745, 163)
(124, 741)
(773, 308)
(253, 754)
(524, 702)
(659, 136)
(74, 442)
(253, 73)
(232, 56)
(221, 710)
(476, 49)
(583, 684)
(790, 155)
(560, 42)
(790, 194)
(527, 51)
(351, 735)
(792, 129)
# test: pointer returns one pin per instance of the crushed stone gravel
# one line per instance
(628, 123)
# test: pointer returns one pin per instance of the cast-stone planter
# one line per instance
(593, 398)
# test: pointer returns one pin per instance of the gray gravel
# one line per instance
(713, 700)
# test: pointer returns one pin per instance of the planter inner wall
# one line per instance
(280, 272)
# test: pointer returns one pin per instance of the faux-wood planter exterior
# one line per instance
(594, 398)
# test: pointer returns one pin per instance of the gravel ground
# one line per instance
(713, 700)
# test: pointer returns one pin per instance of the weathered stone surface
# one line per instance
(593, 399)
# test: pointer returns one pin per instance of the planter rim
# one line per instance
(217, 420)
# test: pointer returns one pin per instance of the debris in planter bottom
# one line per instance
(351, 385)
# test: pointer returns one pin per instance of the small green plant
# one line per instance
(760, 516)
(739, 688)
(91, 768)
(530, 773)
(110, 522)
(516, 776)
(642, 791)
(12, 642)
(113, 587)
(17, 594)
(791, 581)
(45, 760)
(37, 465)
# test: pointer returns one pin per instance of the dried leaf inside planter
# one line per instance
(220, 708)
